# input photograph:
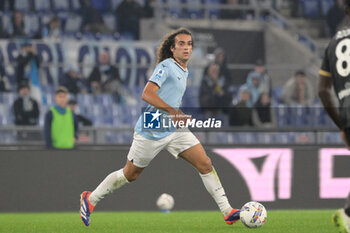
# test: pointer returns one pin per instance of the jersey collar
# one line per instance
(185, 70)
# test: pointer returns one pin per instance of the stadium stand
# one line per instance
(102, 109)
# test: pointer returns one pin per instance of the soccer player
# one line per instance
(163, 92)
(335, 73)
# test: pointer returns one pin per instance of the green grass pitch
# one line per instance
(284, 221)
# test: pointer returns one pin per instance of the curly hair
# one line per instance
(164, 50)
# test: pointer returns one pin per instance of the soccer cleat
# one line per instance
(86, 207)
(232, 217)
(341, 221)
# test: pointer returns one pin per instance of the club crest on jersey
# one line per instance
(160, 73)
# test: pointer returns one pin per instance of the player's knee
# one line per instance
(132, 176)
(206, 166)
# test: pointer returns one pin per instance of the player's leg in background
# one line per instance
(341, 217)
(114, 181)
(198, 158)
(347, 211)
(347, 206)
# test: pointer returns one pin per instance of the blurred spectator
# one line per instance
(53, 29)
(232, 13)
(73, 81)
(213, 96)
(148, 11)
(17, 28)
(254, 86)
(294, 8)
(25, 108)
(81, 120)
(298, 90)
(220, 59)
(11, 5)
(105, 77)
(92, 20)
(60, 126)
(129, 13)
(27, 64)
(265, 80)
(241, 113)
(263, 113)
(335, 16)
(4, 82)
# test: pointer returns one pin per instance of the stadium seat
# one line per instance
(333, 137)
(60, 5)
(42, 5)
(276, 94)
(8, 98)
(299, 115)
(326, 5)
(173, 11)
(126, 36)
(194, 9)
(310, 8)
(281, 114)
(213, 13)
(24, 5)
(33, 23)
(73, 23)
(109, 20)
(304, 40)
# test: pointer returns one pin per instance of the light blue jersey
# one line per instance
(171, 79)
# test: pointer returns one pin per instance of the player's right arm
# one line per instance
(325, 87)
(150, 96)
(325, 93)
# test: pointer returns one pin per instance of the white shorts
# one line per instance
(143, 150)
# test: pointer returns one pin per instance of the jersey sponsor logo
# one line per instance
(344, 93)
(160, 73)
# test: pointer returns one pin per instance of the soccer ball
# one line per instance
(253, 214)
(165, 202)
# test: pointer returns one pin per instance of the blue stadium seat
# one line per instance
(299, 115)
(194, 9)
(281, 111)
(326, 5)
(44, 18)
(310, 8)
(60, 5)
(73, 23)
(333, 137)
(174, 12)
(109, 20)
(213, 13)
(126, 36)
(42, 5)
(24, 5)
(75, 5)
(8, 98)
(33, 23)
(276, 94)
